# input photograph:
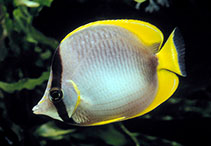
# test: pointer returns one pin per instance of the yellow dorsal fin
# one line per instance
(149, 35)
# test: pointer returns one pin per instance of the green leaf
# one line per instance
(46, 55)
(33, 3)
(167, 118)
(174, 100)
(130, 134)
(26, 3)
(24, 83)
(29, 38)
(37, 49)
(23, 24)
(7, 23)
(44, 2)
(49, 130)
(139, 1)
(22, 19)
(112, 136)
(41, 38)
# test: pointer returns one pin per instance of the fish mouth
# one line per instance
(35, 109)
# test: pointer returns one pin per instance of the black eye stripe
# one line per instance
(56, 94)
(57, 69)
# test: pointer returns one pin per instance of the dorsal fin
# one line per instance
(149, 35)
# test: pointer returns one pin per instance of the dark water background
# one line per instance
(193, 19)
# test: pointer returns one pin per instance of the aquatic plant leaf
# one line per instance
(49, 130)
(153, 5)
(34, 3)
(139, 1)
(23, 21)
(24, 83)
(41, 38)
(194, 107)
(112, 136)
(44, 2)
(26, 3)
(8, 24)
(154, 140)
(22, 18)
(45, 55)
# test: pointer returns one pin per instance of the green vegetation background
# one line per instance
(25, 56)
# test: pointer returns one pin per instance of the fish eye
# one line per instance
(56, 94)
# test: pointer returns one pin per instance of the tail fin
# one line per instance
(171, 56)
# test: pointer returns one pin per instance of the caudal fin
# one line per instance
(171, 56)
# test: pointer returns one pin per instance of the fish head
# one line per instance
(57, 103)
(45, 105)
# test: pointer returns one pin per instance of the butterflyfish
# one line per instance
(112, 70)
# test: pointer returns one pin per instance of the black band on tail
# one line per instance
(180, 46)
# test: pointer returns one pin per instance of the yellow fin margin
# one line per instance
(146, 32)
(78, 93)
(108, 121)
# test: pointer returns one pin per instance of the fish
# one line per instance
(112, 70)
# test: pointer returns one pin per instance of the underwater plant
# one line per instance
(153, 5)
